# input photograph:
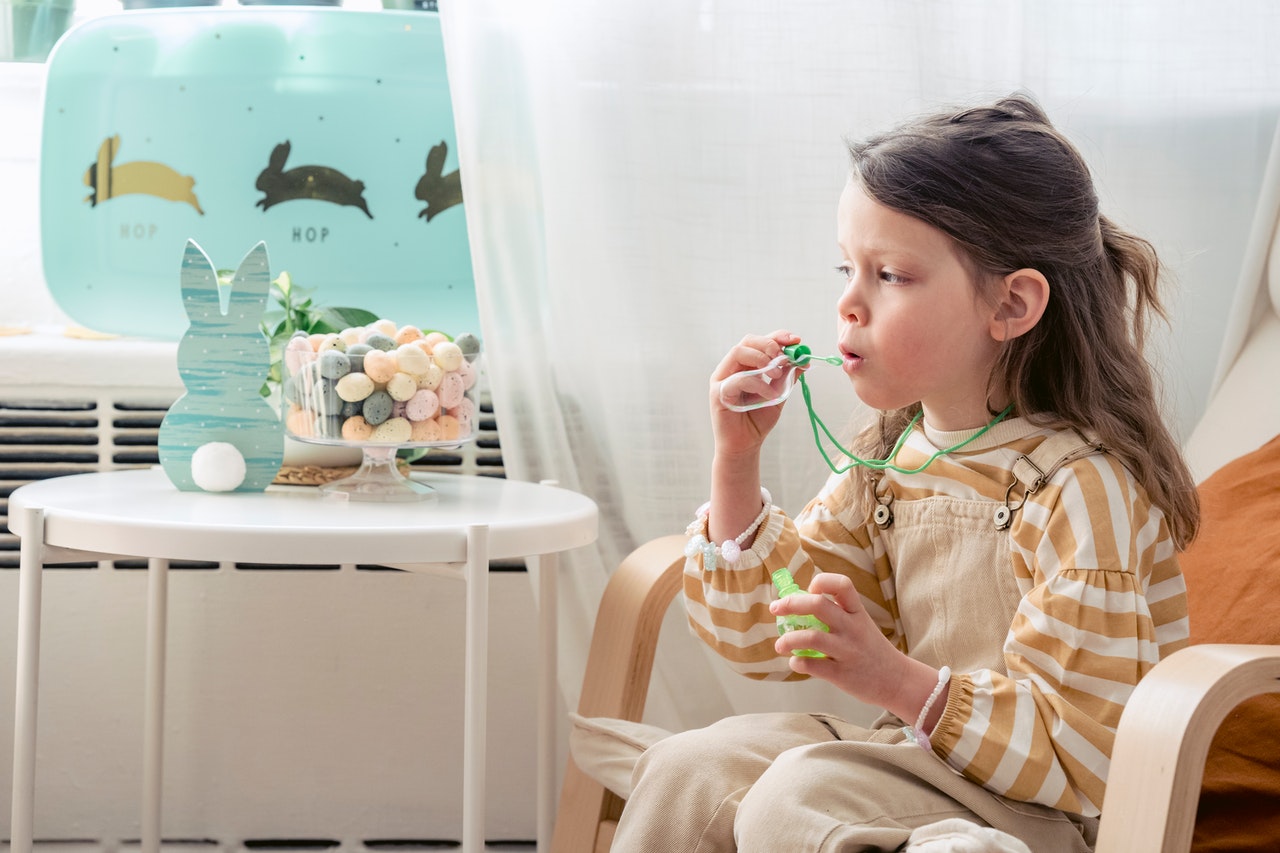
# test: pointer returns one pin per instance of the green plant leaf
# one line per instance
(347, 318)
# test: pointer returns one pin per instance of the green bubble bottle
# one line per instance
(796, 621)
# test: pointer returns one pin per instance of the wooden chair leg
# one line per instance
(616, 683)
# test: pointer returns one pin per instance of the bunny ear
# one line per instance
(252, 281)
(436, 157)
(279, 155)
(199, 284)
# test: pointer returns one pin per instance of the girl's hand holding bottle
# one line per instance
(855, 655)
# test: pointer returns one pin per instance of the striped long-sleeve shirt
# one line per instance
(1102, 601)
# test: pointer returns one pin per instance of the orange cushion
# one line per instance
(1233, 590)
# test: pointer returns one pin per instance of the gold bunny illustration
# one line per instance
(142, 177)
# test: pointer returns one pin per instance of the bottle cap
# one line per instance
(798, 353)
(784, 582)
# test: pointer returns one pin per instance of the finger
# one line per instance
(785, 338)
(797, 603)
(807, 639)
(749, 354)
(823, 667)
(840, 589)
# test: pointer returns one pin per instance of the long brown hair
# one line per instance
(1013, 193)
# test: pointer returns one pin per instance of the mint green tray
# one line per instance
(325, 132)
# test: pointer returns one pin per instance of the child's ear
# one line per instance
(1021, 299)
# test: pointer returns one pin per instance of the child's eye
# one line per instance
(891, 278)
(845, 271)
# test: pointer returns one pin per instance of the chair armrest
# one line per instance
(616, 682)
(1157, 763)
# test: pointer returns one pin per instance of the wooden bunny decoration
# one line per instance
(221, 435)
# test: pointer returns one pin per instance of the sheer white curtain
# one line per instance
(646, 182)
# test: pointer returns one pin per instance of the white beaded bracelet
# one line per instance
(917, 731)
(731, 549)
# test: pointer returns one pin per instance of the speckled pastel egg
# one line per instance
(292, 387)
(398, 409)
(354, 387)
(356, 353)
(463, 417)
(468, 373)
(425, 431)
(451, 391)
(393, 431)
(408, 334)
(356, 429)
(296, 352)
(447, 355)
(351, 336)
(332, 341)
(432, 378)
(377, 407)
(384, 327)
(334, 364)
(299, 422)
(423, 405)
(466, 408)
(412, 360)
(324, 399)
(450, 428)
(351, 408)
(469, 344)
(379, 366)
(402, 386)
(433, 338)
(379, 341)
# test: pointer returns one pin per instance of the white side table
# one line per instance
(139, 513)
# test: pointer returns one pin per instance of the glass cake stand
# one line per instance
(378, 477)
(381, 401)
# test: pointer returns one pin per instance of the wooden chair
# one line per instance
(1157, 763)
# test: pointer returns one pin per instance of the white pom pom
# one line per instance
(217, 467)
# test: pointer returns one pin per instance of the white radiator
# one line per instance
(307, 708)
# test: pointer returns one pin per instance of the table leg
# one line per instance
(476, 701)
(548, 695)
(30, 567)
(153, 711)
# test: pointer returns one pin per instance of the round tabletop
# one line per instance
(140, 513)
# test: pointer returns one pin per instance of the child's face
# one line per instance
(911, 324)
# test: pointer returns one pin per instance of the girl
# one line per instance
(997, 572)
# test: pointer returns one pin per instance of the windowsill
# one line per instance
(26, 75)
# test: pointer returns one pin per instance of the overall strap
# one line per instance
(1036, 468)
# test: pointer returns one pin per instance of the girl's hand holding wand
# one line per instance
(735, 470)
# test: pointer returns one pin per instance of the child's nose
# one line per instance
(852, 305)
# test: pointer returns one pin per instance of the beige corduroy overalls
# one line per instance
(793, 783)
